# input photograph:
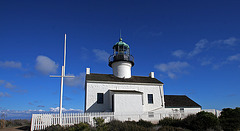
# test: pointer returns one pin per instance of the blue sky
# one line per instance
(192, 46)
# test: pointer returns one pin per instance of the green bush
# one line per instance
(116, 125)
(79, 127)
(100, 124)
(201, 121)
(171, 128)
(146, 124)
(131, 122)
(55, 128)
(188, 121)
(170, 122)
(230, 119)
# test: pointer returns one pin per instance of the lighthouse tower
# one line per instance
(121, 61)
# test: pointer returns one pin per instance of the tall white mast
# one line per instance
(65, 50)
(62, 76)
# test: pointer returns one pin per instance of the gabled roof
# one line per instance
(112, 78)
(172, 101)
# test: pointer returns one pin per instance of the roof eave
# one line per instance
(132, 83)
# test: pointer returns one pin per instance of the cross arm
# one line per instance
(62, 76)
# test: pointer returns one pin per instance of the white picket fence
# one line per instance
(41, 121)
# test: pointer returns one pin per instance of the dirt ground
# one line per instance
(18, 128)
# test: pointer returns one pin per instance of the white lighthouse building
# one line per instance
(131, 97)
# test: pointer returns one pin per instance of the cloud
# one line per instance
(101, 55)
(172, 68)
(76, 81)
(228, 60)
(67, 98)
(232, 95)
(11, 64)
(7, 84)
(2, 82)
(178, 53)
(84, 53)
(55, 109)
(40, 106)
(234, 57)
(20, 91)
(45, 65)
(232, 41)
(27, 114)
(28, 75)
(205, 44)
(4, 94)
(30, 103)
(198, 48)
(206, 61)
(12, 87)
(155, 33)
(64, 110)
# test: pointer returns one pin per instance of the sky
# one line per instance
(192, 46)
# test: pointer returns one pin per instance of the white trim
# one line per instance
(125, 83)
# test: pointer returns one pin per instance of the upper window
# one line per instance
(150, 98)
(100, 98)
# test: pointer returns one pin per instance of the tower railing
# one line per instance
(120, 57)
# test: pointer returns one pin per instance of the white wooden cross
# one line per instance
(62, 76)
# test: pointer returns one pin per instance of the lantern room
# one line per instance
(121, 52)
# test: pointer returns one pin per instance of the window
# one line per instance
(181, 110)
(150, 98)
(150, 114)
(99, 98)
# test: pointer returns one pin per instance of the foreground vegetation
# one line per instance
(202, 121)
(228, 121)
(14, 123)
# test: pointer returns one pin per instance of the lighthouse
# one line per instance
(121, 61)
(131, 97)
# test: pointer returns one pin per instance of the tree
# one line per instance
(230, 119)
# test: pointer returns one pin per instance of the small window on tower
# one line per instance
(150, 98)
(99, 98)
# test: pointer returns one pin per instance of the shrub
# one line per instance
(201, 121)
(2, 123)
(100, 124)
(12, 123)
(116, 125)
(171, 128)
(170, 122)
(55, 128)
(79, 127)
(230, 119)
(143, 123)
(187, 122)
(99, 121)
(131, 122)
